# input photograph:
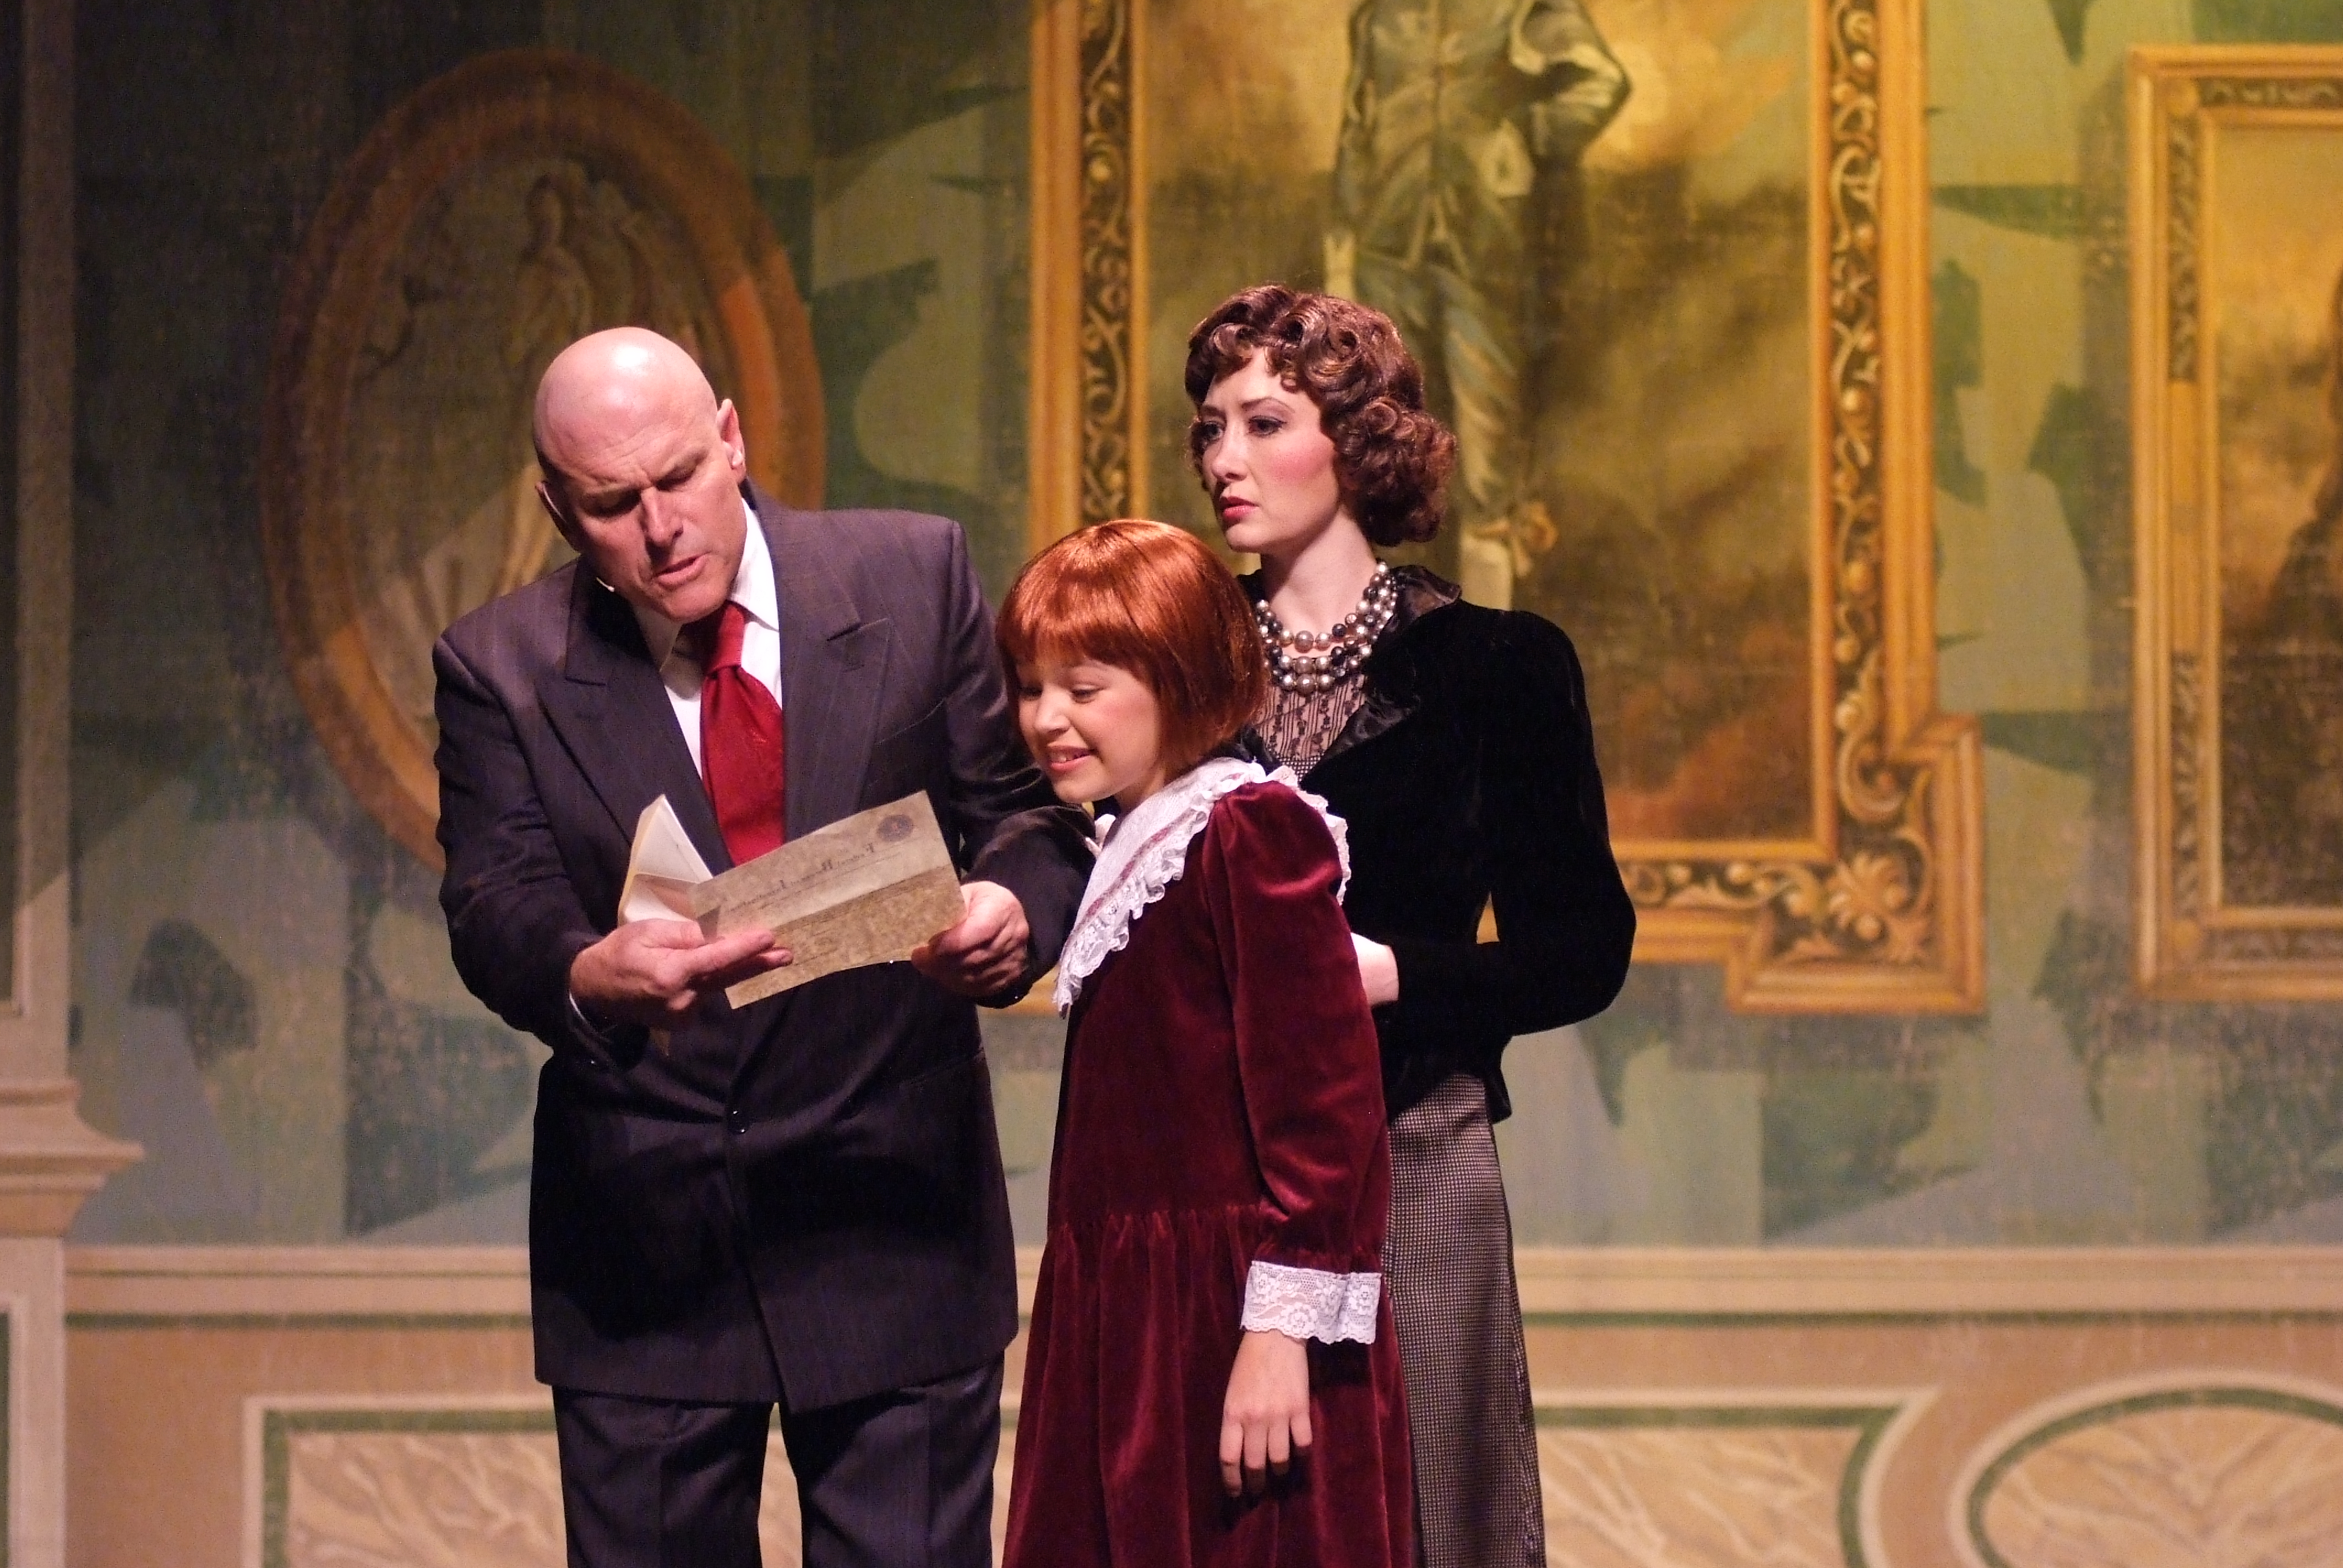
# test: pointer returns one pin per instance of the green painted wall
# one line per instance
(262, 990)
(2071, 1112)
(262, 994)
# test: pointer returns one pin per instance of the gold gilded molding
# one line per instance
(1053, 421)
(1880, 908)
(1088, 265)
(1109, 250)
(1885, 912)
(2205, 930)
(506, 207)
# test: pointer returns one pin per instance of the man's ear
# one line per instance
(727, 430)
(561, 524)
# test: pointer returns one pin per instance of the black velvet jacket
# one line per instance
(1467, 775)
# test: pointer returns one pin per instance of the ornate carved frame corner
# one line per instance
(1881, 908)
(2192, 944)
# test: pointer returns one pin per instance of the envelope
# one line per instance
(662, 870)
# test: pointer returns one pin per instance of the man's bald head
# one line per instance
(617, 376)
(642, 469)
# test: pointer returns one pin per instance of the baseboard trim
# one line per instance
(1556, 1283)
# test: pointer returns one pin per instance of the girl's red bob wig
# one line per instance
(1149, 598)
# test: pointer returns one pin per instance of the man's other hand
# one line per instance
(985, 953)
(1378, 969)
(653, 972)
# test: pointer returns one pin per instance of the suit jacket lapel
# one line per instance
(833, 662)
(611, 709)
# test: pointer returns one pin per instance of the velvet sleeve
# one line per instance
(1307, 1060)
(1565, 928)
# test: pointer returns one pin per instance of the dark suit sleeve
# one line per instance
(1013, 829)
(1565, 927)
(514, 922)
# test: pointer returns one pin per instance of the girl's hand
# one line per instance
(1265, 1422)
(1378, 970)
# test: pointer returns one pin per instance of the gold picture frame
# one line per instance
(2237, 275)
(510, 206)
(1873, 905)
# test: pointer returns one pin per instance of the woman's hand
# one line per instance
(1378, 970)
(1265, 1422)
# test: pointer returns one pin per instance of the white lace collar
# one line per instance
(1145, 852)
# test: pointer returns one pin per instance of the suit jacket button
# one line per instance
(737, 1120)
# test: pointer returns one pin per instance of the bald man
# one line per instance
(799, 1203)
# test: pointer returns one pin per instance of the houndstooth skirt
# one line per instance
(1448, 1262)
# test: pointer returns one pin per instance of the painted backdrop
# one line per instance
(262, 992)
(263, 997)
(1607, 306)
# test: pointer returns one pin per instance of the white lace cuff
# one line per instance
(1312, 1303)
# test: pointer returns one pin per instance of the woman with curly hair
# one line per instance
(1454, 742)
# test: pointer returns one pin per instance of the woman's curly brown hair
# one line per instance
(1392, 459)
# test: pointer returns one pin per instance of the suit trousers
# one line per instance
(902, 1480)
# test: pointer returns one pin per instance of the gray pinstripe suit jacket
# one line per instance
(817, 1172)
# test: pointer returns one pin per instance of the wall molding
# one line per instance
(1695, 1464)
(135, 1286)
(160, 1286)
(2256, 1484)
(274, 1423)
(1839, 1282)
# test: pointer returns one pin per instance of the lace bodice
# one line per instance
(1298, 727)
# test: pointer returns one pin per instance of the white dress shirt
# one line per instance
(760, 639)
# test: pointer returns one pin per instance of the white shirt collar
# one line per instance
(752, 590)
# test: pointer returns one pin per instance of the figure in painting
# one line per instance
(1461, 131)
(553, 306)
(509, 265)
(2282, 767)
(574, 222)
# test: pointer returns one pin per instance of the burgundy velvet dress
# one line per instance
(1220, 1128)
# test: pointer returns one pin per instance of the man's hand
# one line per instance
(653, 972)
(985, 953)
(1265, 1420)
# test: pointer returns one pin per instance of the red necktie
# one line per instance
(739, 741)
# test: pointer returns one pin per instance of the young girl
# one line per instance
(1212, 1376)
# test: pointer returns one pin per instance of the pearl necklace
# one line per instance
(1310, 661)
